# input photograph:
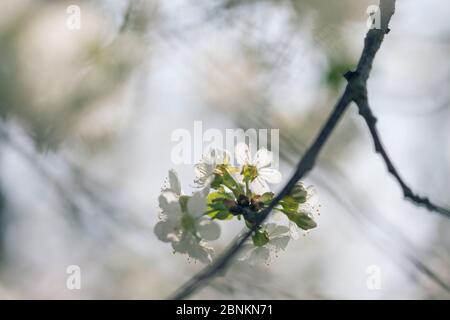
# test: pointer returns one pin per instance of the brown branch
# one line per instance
(366, 112)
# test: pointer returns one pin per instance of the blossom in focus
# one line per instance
(256, 170)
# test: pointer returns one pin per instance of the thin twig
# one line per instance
(371, 120)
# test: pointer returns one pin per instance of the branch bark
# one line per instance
(366, 112)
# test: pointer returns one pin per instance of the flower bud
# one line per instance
(299, 192)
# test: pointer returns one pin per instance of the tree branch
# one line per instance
(356, 90)
(366, 112)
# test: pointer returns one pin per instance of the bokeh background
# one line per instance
(85, 142)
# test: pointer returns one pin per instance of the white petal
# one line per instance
(202, 169)
(312, 197)
(311, 192)
(259, 186)
(259, 255)
(293, 230)
(242, 153)
(208, 229)
(204, 174)
(263, 158)
(183, 245)
(277, 216)
(238, 177)
(197, 204)
(168, 202)
(270, 227)
(205, 191)
(270, 175)
(168, 196)
(278, 231)
(200, 252)
(163, 229)
(174, 182)
(280, 242)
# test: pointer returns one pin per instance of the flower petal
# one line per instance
(174, 182)
(163, 229)
(259, 186)
(242, 153)
(293, 230)
(201, 253)
(278, 231)
(197, 204)
(259, 255)
(180, 246)
(269, 227)
(204, 174)
(280, 242)
(208, 229)
(168, 202)
(270, 175)
(263, 158)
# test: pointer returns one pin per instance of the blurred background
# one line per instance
(86, 117)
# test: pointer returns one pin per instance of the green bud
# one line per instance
(299, 192)
(267, 197)
(302, 220)
(249, 172)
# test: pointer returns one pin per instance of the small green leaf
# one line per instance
(217, 182)
(223, 215)
(216, 206)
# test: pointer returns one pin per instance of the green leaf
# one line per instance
(216, 205)
(221, 215)
(217, 182)
(225, 179)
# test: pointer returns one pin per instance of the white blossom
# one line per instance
(183, 222)
(279, 237)
(262, 161)
(206, 168)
